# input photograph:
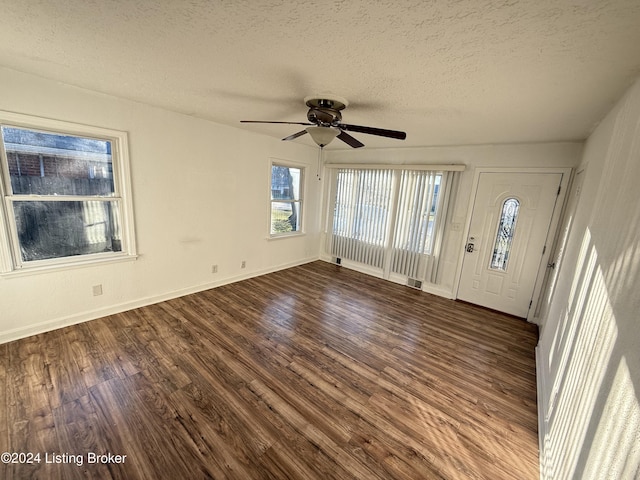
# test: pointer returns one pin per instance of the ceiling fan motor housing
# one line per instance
(325, 111)
(324, 116)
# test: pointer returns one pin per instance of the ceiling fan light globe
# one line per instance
(323, 136)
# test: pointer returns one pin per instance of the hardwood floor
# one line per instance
(316, 372)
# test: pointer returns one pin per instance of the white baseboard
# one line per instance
(399, 279)
(22, 332)
(438, 291)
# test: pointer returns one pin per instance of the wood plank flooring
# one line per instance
(315, 372)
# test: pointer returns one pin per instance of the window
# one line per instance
(65, 196)
(389, 219)
(286, 199)
(416, 220)
(361, 214)
(504, 237)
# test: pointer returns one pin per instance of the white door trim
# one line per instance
(551, 236)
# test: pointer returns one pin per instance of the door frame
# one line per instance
(543, 270)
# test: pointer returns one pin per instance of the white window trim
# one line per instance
(303, 187)
(386, 166)
(10, 263)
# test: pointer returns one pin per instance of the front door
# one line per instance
(509, 225)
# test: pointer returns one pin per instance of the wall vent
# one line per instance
(414, 283)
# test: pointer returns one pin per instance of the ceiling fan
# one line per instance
(325, 123)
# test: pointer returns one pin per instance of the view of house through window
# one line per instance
(286, 199)
(61, 197)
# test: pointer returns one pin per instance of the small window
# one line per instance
(504, 237)
(65, 197)
(286, 199)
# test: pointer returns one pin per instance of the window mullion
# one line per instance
(6, 255)
(7, 249)
(13, 234)
(392, 215)
(425, 214)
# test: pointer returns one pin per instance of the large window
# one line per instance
(286, 199)
(65, 194)
(390, 219)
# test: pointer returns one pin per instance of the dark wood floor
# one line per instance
(315, 372)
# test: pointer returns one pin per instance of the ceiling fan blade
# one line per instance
(349, 140)
(373, 131)
(295, 135)
(285, 123)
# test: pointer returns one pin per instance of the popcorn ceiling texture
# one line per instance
(447, 72)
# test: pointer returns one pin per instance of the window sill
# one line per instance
(286, 235)
(40, 269)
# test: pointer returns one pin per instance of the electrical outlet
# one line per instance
(244, 264)
(97, 290)
(214, 269)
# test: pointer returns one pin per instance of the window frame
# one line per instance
(276, 162)
(11, 261)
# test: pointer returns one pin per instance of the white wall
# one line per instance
(566, 154)
(184, 172)
(589, 351)
(200, 194)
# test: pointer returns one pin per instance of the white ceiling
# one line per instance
(447, 72)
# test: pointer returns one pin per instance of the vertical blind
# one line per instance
(361, 215)
(415, 223)
(390, 219)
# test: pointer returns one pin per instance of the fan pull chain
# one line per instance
(319, 162)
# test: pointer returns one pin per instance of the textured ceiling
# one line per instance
(447, 72)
